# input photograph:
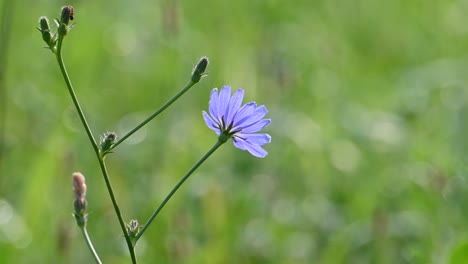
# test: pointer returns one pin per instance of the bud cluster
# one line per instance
(50, 38)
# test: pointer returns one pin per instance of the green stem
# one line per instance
(130, 245)
(153, 115)
(90, 245)
(176, 187)
(73, 95)
(95, 147)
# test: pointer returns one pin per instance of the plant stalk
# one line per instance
(95, 147)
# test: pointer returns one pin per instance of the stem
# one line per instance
(95, 148)
(90, 245)
(153, 115)
(176, 187)
(73, 95)
(130, 246)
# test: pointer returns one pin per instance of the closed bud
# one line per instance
(44, 24)
(79, 185)
(199, 70)
(107, 140)
(67, 14)
(79, 189)
(133, 228)
(44, 28)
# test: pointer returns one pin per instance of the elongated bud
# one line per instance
(79, 189)
(199, 70)
(44, 28)
(44, 23)
(67, 14)
(79, 185)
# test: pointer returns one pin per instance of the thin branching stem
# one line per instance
(73, 95)
(153, 115)
(176, 187)
(90, 245)
(95, 148)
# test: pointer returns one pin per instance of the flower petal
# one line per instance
(234, 105)
(253, 149)
(244, 113)
(239, 143)
(258, 114)
(213, 105)
(223, 102)
(211, 123)
(255, 127)
(255, 139)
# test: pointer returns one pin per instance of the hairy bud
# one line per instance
(79, 189)
(79, 185)
(47, 36)
(199, 70)
(107, 140)
(133, 228)
(67, 14)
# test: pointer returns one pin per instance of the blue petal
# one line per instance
(255, 139)
(211, 123)
(213, 105)
(258, 114)
(239, 143)
(224, 96)
(253, 149)
(255, 127)
(234, 105)
(244, 113)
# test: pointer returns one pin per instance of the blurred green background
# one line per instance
(369, 108)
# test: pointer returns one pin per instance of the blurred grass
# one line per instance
(368, 162)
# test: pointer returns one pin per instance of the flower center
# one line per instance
(227, 128)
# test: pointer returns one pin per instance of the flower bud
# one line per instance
(133, 228)
(79, 185)
(44, 24)
(79, 188)
(199, 70)
(44, 28)
(67, 14)
(107, 140)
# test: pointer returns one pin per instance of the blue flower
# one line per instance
(231, 120)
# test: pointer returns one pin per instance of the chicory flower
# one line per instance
(241, 123)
